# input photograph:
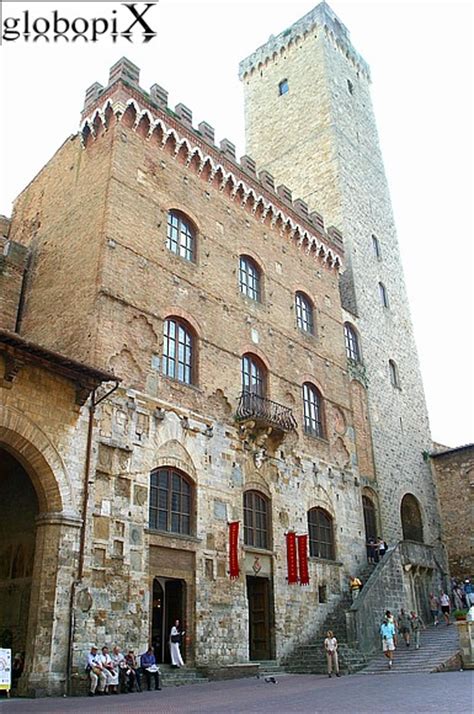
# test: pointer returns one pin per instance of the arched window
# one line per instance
(383, 295)
(370, 518)
(256, 520)
(412, 524)
(283, 87)
(304, 313)
(352, 342)
(181, 238)
(253, 375)
(178, 351)
(312, 410)
(376, 246)
(250, 278)
(393, 371)
(321, 534)
(171, 496)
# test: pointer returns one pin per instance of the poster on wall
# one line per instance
(5, 670)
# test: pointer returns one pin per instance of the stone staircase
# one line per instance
(310, 657)
(171, 677)
(271, 668)
(438, 645)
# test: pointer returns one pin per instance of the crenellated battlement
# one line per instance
(123, 100)
(320, 16)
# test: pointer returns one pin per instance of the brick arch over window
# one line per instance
(257, 518)
(412, 522)
(254, 375)
(250, 278)
(321, 534)
(39, 458)
(172, 499)
(180, 350)
(181, 235)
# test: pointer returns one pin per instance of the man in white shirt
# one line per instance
(330, 645)
(96, 672)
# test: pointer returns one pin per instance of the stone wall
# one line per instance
(13, 259)
(453, 470)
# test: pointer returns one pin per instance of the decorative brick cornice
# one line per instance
(320, 16)
(129, 104)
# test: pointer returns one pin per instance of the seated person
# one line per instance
(96, 672)
(133, 672)
(150, 669)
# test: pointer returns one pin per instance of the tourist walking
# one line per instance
(434, 608)
(417, 625)
(393, 621)
(404, 626)
(469, 592)
(387, 631)
(381, 547)
(371, 550)
(175, 640)
(445, 603)
(330, 645)
(354, 586)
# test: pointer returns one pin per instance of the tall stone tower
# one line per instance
(310, 123)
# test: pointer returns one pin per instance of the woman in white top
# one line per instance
(111, 673)
(330, 645)
(175, 639)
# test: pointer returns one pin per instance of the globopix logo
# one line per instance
(129, 22)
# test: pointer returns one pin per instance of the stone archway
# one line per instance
(44, 535)
(412, 523)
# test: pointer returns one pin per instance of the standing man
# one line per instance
(387, 631)
(96, 672)
(404, 626)
(416, 626)
(434, 608)
(445, 603)
(330, 645)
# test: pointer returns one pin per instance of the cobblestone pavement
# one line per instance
(306, 694)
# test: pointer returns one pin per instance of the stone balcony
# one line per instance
(265, 413)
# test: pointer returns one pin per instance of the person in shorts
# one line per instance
(445, 603)
(387, 631)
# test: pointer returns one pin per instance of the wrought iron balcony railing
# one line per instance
(253, 406)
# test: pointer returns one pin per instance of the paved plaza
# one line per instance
(305, 694)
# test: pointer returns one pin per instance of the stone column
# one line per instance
(56, 551)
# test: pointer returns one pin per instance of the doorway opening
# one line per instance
(168, 605)
(18, 511)
(260, 618)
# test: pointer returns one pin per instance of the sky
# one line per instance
(421, 60)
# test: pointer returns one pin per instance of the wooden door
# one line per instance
(258, 593)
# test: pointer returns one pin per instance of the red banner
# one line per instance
(234, 550)
(303, 559)
(291, 557)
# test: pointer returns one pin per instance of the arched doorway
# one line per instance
(412, 524)
(370, 518)
(18, 511)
